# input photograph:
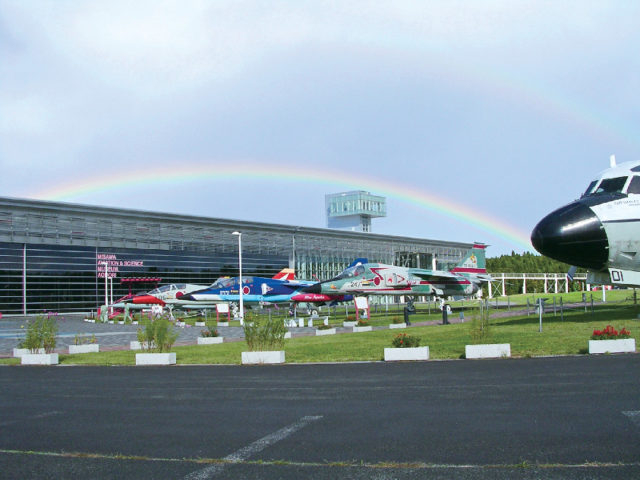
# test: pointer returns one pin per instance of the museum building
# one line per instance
(54, 256)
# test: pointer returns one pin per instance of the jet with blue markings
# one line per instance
(283, 288)
(601, 230)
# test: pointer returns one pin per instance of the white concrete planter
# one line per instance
(90, 320)
(612, 346)
(397, 325)
(87, 348)
(402, 354)
(18, 352)
(223, 324)
(156, 358)
(362, 329)
(326, 331)
(495, 350)
(135, 345)
(121, 322)
(349, 324)
(135, 322)
(200, 324)
(252, 358)
(39, 359)
(287, 335)
(210, 340)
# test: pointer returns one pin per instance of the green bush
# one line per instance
(41, 333)
(156, 334)
(403, 340)
(480, 331)
(265, 334)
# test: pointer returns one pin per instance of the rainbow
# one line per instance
(287, 173)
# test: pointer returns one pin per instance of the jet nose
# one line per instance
(572, 234)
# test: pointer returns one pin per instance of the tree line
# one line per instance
(528, 263)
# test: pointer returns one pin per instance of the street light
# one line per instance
(239, 235)
(106, 279)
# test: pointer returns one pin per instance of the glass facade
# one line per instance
(53, 255)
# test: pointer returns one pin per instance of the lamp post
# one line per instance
(239, 235)
(106, 280)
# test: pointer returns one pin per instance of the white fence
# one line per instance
(553, 282)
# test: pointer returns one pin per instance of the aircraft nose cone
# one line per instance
(572, 234)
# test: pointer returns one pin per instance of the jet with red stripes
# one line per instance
(379, 279)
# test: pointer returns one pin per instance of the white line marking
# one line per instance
(634, 416)
(33, 417)
(250, 450)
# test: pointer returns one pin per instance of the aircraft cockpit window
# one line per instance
(634, 186)
(611, 185)
(590, 188)
(350, 272)
(180, 286)
(161, 289)
(223, 283)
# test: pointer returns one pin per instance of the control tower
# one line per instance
(354, 210)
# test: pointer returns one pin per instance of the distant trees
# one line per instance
(526, 263)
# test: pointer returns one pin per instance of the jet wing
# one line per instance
(437, 277)
(447, 277)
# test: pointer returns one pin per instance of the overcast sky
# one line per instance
(500, 109)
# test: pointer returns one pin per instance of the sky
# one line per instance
(473, 118)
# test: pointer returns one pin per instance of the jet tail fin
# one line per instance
(358, 261)
(474, 261)
(286, 274)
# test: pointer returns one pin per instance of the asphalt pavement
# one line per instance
(563, 417)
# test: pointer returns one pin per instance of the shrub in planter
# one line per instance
(324, 327)
(41, 333)
(265, 334)
(209, 333)
(362, 323)
(396, 320)
(156, 334)
(211, 330)
(404, 340)
(84, 340)
(480, 331)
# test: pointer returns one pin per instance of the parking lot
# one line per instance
(564, 417)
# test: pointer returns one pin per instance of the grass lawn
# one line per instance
(559, 337)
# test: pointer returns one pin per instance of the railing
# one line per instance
(557, 281)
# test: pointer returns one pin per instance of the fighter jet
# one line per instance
(167, 295)
(379, 279)
(601, 230)
(282, 288)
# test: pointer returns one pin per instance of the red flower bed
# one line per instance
(610, 333)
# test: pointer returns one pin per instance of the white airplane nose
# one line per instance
(572, 234)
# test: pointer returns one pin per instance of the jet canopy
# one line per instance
(224, 282)
(168, 288)
(351, 272)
